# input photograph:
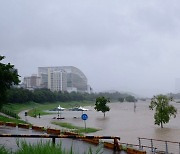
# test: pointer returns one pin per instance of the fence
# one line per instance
(53, 137)
(143, 149)
(159, 146)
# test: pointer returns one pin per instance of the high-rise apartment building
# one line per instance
(32, 82)
(57, 80)
(75, 78)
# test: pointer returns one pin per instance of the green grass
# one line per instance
(40, 148)
(46, 148)
(10, 113)
(6, 119)
(40, 108)
(3, 150)
(76, 129)
(36, 111)
(16, 108)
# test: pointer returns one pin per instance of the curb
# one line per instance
(26, 126)
(2, 123)
(38, 128)
(53, 131)
(11, 124)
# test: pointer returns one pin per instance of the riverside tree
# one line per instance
(163, 110)
(8, 77)
(100, 104)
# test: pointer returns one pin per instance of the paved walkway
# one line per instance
(44, 121)
(5, 115)
(77, 145)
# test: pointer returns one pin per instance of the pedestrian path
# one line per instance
(77, 145)
(44, 121)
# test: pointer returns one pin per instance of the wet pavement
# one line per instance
(77, 145)
(45, 121)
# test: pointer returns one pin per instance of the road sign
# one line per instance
(84, 117)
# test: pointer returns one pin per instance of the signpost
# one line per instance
(84, 117)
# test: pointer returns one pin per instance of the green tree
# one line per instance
(130, 99)
(8, 77)
(100, 104)
(121, 99)
(163, 110)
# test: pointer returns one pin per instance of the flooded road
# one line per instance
(122, 120)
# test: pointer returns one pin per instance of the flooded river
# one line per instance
(122, 120)
(128, 123)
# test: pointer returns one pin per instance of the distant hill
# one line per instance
(122, 92)
(110, 91)
(114, 95)
(175, 96)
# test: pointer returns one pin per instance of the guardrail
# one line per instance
(160, 146)
(53, 137)
(142, 150)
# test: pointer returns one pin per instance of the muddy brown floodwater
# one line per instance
(122, 120)
(128, 123)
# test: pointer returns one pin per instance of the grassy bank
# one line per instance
(76, 129)
(40, 108)
(6, 119)
(16, 108)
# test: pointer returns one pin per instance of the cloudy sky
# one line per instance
(124, 45)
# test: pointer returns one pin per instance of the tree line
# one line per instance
(21, 95)
(128, 98)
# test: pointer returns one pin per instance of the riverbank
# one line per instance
(41, 108)
(46, 118)
(122, 120)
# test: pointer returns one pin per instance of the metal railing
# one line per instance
(136, 146)
(160, 146)
(53, 137)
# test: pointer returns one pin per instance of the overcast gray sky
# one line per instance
(124, 45)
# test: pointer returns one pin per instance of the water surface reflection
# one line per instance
(128, 122)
